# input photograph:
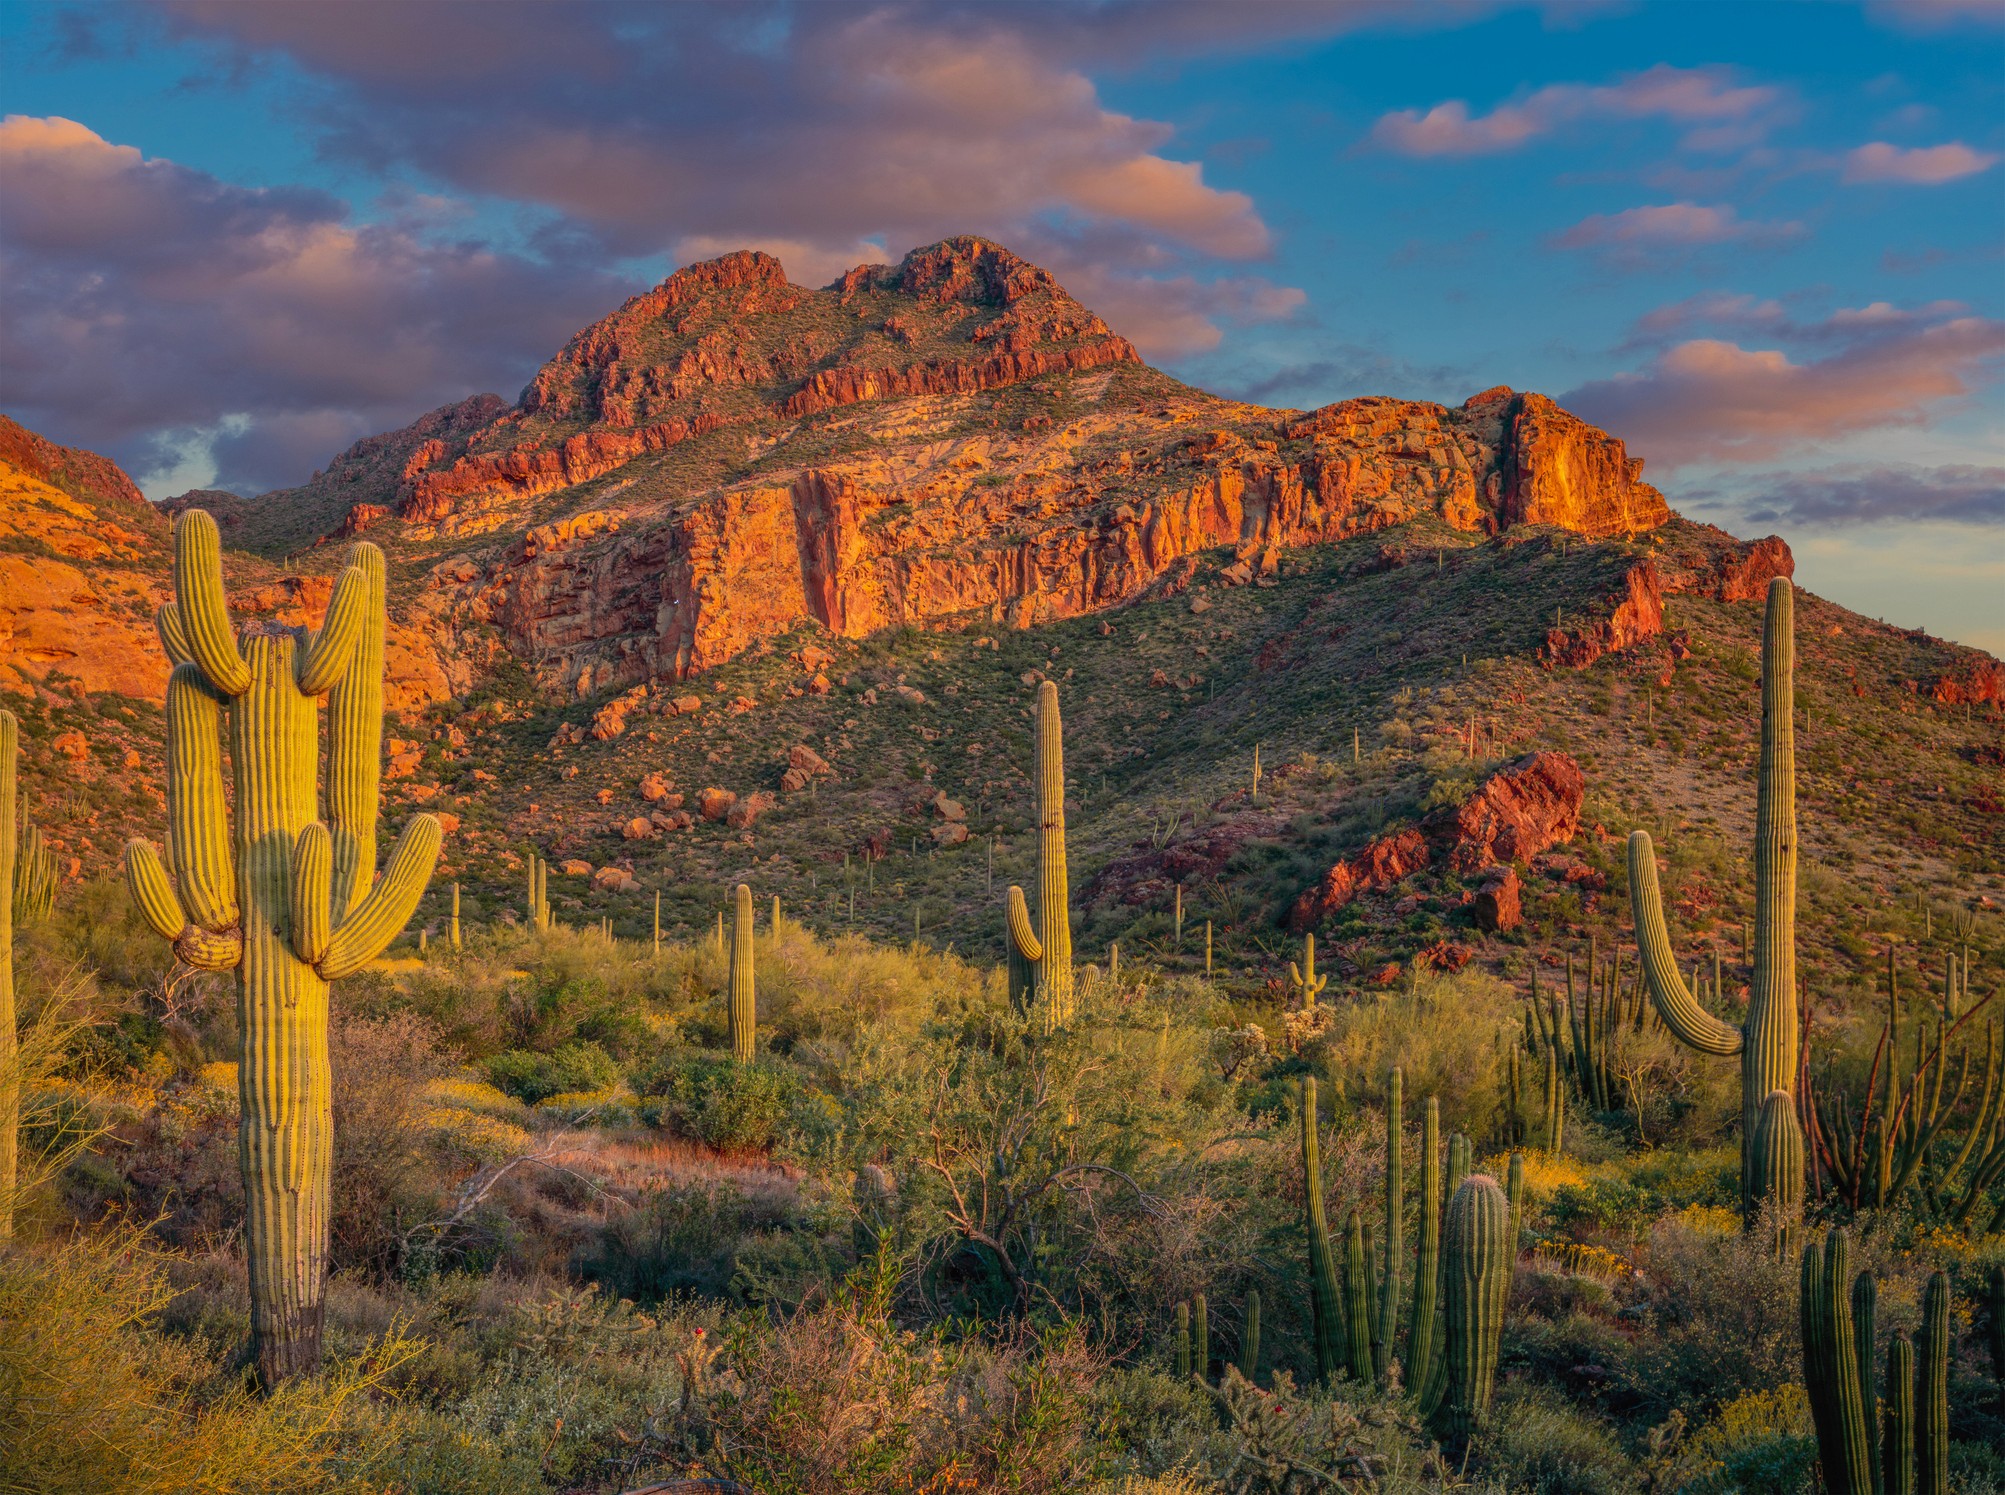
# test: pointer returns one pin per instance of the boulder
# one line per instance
(614, 880)
(1496, 906)
(953, 833)
(575, 868)
(656, 787)
(746, 812)
(640, 828)
(714, 804)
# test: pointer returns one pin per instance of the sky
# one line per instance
(1762, 243)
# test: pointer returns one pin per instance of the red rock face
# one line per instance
(1636, 613)
(1981, 682)
(1525, 808)
(72, 469)
(1563, 471)
(1497, 905)
(1745, 578)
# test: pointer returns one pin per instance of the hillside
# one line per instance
(739, 519)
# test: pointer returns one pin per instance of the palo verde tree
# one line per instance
(287, 900)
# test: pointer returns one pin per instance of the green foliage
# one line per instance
(573, 1067)
(728, 1105)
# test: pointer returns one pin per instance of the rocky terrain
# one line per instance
(753, 573)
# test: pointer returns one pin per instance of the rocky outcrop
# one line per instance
(1525, 808)
(83, 475)
(1979, 682)
(1559, 470)
(1634, 613)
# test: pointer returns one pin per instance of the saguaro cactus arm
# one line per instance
(328, 656)
(1682, 1014)
(1017, 912)
(312, 871)
(198, 825)
(153, 891)
(204, 614)
(387, 907)
(355, 742)
(173, 638)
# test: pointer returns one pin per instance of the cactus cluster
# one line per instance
(1767, 1042)
(1578, 1042)
(1907, 1450)
(1040, 954)
(34, 877)
(1461, 1280)
(286, 901)
(1911, 1127)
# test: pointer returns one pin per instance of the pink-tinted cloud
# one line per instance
(1923, 17)
(149, 304)
(1637, 236)
(1919, 166)
(1717, 112)
(1767, 315)
(1710, 400)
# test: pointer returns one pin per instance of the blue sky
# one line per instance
(1763, 243)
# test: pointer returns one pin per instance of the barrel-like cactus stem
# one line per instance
(1476, 1282)
(1897, 1464)
(288, 901)
(1325, 1294)
(1931, 1394)
(1200, 1339)
(1359, 1302)
(1766, 1043)
(1865, 1314)
(1514, 1192)
(776, 916)
(10, 1083)
(1022, 950)
(1385, 1335)
(1424, 1338)
(657, 921)
(1778, 1154)
(1249, 1337)
(1182, 1341)
(742, 1018)
(1831, 1369)
(455, 919)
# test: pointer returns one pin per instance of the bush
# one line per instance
(718, 1101)
(677, 1241)
(1539, 1444)
(531, 1076)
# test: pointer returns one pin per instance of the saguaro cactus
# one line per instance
(1200, 1338)
(287, 902)
(743, 1017)
(1307, 982)
(1395, 1227)
(1767, 1042)
(1046, 951)
(1476, 1281)
(10, 1082)
(1912, 1457)
(1325, 1297)
(1249, 1337)
(455, 922)
(1423, 1345)
(1183, 1341)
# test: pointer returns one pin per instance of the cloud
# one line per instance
(1710, 400)
(162, 315)
(1922, 17)
(1858, 494)
(1717, 112)
(1638, 235)
(1920, 166)
(1740, 311)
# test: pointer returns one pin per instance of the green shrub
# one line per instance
(1539, 1444)
(677, 1241)
(531, 1076)
(718, 1101)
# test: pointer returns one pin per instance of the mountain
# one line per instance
(752, 582)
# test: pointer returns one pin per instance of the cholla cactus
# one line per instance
(1045, 952)
(1766, 1043)
(286, 901)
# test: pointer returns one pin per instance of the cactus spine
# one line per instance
(1476, 1281)
(287, 902)
(10, 1080)
(1325, 1299)
(743, 1017)
(1249, 1339)
(1307, 982)
(1767, 1042)
(1047, 950)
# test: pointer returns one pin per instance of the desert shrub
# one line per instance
(1760, 1443)
(1539, 1444)
(1443, 1032)
(678, 1241)
(718, 1101)
(532, 1076)
(153, 1414)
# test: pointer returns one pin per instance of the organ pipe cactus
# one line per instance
(743, 1015)
(1395, 1228)
(1476, 1258)
(1182, 1341)
(286, 901)
(1423, 1345)
(1910, 1455)
(10, 1079)
(34, 893)
(1047, 949)
(1360, 1306)
(1766, 1043)
(1325, 1296)
(1249, 1337)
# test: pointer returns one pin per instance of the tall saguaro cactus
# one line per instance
(1766, 1043)
(742, 1019)
(1044, 953)
(1325, 1293)
(285, 900)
